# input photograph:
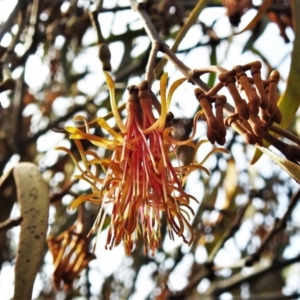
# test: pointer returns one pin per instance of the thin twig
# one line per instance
(55, 197)
(170, 55)
(55, 123)
(99, 5)
(96, 25)
(155, 38)
(191, 20)
(236, 280)
(234, 227)
(280, 224)
(151, 63)
(194, 281)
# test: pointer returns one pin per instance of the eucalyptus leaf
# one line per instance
(291, 168)
(33, 198)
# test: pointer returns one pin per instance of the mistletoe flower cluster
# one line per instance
(138, 182)
(255, 104)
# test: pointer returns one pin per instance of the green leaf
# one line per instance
(213, 62)
(288, 166)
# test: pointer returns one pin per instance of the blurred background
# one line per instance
(50, 49)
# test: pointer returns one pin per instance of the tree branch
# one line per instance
(10, 223)
(279, 225)
(10, 20)
(236, 280)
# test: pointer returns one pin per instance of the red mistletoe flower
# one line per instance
(140, 182)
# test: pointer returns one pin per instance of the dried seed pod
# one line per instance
(233, 122)
(259, 140)
(240, 104)
(257, 125)
(211, 136)
(255, 72)
(220, 140)
(264, 117)
(104, 56)
(272, 94)
(254, 101)
(246, 125)
(219, 105)
(206, 106)
(249, 127)
(235, 9)
(277, 118)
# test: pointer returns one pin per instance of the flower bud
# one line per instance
(104, 56)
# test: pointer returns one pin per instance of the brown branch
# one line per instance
(207, 267)
(151, 63)
(96, 25)
(155, 38)
(57, 122)
(235, 226)
(236, 280)
(279, 225)
(10, 223)
(269, 296)
(99, 5)
(188, 5)
(56, 197)
(171, 56)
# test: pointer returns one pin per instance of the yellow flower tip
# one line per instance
(173, 88)
(60, 148)
(109, 80)
(113, 103)
(72, 207)
(71, 129)
(79, 118)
